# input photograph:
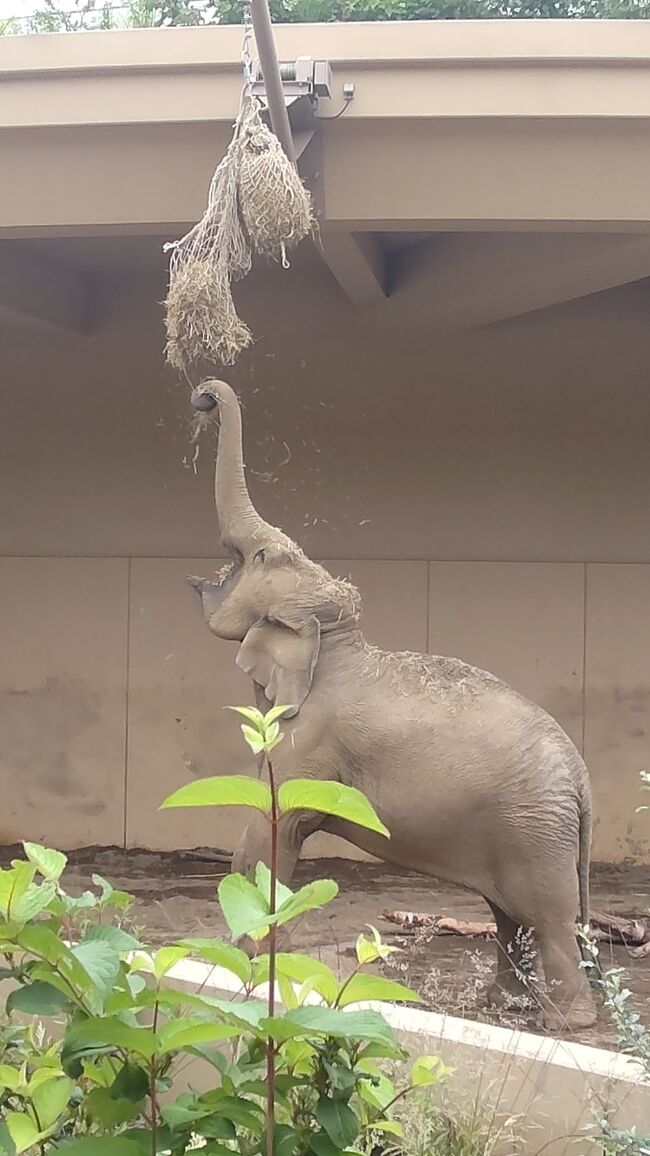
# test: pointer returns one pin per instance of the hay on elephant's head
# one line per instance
(276, 207)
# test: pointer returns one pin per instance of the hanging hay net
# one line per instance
(256, 203)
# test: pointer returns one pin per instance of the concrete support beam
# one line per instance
(43, 290)
(465, 280)
(358, 263)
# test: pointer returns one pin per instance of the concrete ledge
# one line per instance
(555, 1091)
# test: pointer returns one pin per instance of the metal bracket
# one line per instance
(304, 81)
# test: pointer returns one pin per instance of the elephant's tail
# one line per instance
(584, 854)
(584, 857)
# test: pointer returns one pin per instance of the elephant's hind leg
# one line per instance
(510, 987)
(568, 1003)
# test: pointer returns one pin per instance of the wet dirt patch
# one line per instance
(175, 897)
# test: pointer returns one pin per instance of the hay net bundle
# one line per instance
(256, 203)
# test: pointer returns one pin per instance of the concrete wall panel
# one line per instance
(522, 621)
(618, 706)
(63, 625)
(180, 679)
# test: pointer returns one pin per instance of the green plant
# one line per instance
(301, 1080)
(478, 1129)
(67, 16)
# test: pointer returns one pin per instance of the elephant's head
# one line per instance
(271, 598)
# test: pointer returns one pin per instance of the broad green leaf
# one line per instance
(185, 1110)
(379, 1092)
(251, 713)
(221, 955)
(370, 950)
(274, 714)
(130, 1083)
(7, 1146)
(311, 896)
(166, 958)
(142, 961)
(50, 1099)
(38, 999)
(94, 1035)
(115, 937)
(22, 1129)
(331, 798)
(110, 896)
(40, 940)
(186, 1033)
(391, 1126)
(14, 884)
(50, 864)
(9, 1077)
(338, 1120)
(287, 993)
(222, 791)
(36, 900)
(321, 1145)
(263, 882)
(244, 908)
(120, 1145)
(255, 741)
(299, 969)
(248, 1013)
(325, 1021)
(370, 987)
(428, 1070)
(285, 1140)
(100, 961)
(109, 1111)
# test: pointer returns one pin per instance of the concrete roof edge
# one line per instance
(393, 44)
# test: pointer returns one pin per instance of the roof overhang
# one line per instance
(455, 127)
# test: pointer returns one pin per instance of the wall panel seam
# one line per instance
(127, 688)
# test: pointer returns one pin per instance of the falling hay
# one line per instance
(256, 202)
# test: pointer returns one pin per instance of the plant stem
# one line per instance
(154, 1106)
(270, 1045)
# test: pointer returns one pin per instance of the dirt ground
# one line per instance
(175, 897)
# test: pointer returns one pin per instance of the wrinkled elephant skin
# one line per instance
(476, 785)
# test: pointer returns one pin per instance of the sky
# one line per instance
(17, 7)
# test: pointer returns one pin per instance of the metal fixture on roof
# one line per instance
(301, 77)
(304, 82)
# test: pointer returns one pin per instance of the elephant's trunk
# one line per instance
(240, 525)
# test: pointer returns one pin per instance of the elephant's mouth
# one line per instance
(224, 575)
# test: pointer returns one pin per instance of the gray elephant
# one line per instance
(476, 785)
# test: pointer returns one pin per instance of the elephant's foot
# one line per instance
(509, 993)
(574, 1016)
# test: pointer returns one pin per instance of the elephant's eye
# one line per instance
(259, 556)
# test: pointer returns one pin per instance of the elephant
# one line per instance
(476, 785)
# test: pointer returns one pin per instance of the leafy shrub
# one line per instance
(305, 1080)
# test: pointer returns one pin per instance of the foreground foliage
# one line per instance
(302, 1079)
(78, 15)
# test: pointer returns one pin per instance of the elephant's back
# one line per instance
(463, 706)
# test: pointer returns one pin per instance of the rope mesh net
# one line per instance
(256, 204)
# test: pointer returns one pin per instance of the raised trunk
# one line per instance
(240, 525)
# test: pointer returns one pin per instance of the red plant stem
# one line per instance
(154, 1107)
(270, 1045)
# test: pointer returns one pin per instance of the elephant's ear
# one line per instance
(281, 659)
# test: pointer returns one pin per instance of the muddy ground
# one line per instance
(175, 896)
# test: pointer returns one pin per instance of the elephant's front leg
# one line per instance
(255, 844)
